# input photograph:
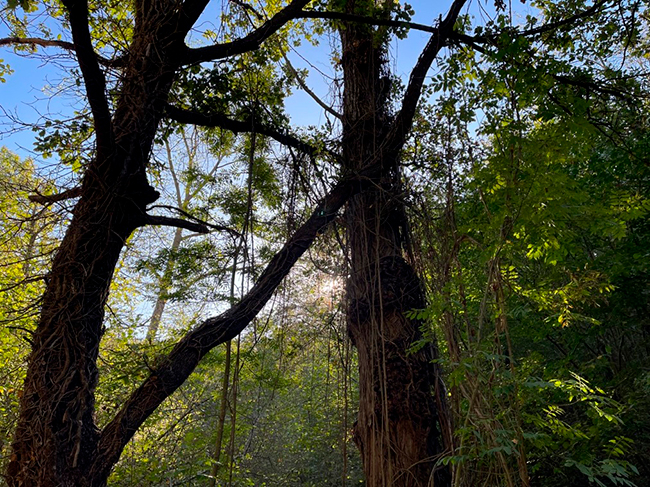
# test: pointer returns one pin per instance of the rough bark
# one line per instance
(56, 434)
(398, 431)
(84, 456)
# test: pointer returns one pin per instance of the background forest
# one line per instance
(526, 186)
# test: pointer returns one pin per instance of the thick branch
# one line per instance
(241, 126)
(404, 119)
(176, 222)
(53, 198)
(251, 41)
(189, 13)
(361, 19)
(35, 41)
(198, 221)
(92, 73)
(176, 367)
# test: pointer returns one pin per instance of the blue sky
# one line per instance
(25, 91)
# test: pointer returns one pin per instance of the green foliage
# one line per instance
(575, 432)
(5, 70)
(531, 222)
(293, 402)
(67, 139)
(536, 210)
(26, 243)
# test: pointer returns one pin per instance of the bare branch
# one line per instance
(306, 89)
(69, 46)
(54, 198)
(561, 23)
(347, 17)
(292, 11)
(243, 126)
(251, 41)
(22, 282)
(456, 39)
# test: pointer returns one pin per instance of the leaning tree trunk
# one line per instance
(57, 443)
(398, 432)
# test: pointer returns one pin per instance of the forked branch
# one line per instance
(249, 125)
(251, 41)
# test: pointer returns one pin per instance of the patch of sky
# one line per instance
(35, 91)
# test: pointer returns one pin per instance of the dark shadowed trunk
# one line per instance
(56, 436)
(399, 430)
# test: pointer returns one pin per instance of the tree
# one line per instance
(523, 234)
(188, 183)
(58, 399)
(150, 76)
(403, 415)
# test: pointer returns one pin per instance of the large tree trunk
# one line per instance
(56, 436)
(57, 443)
(398, 431)
(56, 433)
